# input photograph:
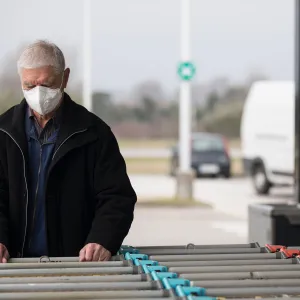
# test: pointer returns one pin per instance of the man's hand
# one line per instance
(4, 255)
(94, 252)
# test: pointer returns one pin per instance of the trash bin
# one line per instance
(277, 224)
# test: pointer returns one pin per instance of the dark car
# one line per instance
(210, 156)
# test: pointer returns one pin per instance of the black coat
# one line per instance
(89, 198)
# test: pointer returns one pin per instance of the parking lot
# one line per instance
(225, 221)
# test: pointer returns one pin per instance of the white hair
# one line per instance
(41, 54)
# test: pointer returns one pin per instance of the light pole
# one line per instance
(186, 72)
(297, 102)
(87, 55)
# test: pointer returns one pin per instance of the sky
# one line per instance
(139, 40)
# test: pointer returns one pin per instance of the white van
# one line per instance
(267, 134)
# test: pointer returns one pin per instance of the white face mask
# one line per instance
(42, 99)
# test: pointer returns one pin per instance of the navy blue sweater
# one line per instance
(40, 155)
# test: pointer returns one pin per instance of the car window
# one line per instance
(208, 144)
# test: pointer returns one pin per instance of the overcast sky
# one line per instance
(137, 40)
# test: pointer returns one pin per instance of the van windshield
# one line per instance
(203, 144)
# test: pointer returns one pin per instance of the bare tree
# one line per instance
(148, 90)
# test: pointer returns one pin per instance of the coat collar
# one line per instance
(75, 119)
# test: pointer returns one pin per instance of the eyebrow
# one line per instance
(49, 82)
(27, 83)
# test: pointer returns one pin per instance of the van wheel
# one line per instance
(260, 180)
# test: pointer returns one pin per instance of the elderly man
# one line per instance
(64, 190)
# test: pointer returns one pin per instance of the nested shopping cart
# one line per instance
(190, 272)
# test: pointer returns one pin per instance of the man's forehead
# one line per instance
(41, 74)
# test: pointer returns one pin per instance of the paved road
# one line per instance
(231, 196)
(181, 226)
(161, 153)
(227, 221)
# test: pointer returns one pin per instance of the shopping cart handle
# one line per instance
(274, 248)
(183, 291)
(138, 262)
(130, 256)
(160, 276)
(290, 253)
(150, 269)
(173, 283)
(128, 249)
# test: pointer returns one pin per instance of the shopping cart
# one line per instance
(189, 272)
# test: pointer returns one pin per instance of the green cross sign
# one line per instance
(186, 70)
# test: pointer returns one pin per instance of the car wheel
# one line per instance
(260, 180)
(227, 174)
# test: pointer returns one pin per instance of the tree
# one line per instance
(102, 106)
(255, 76)
(150, 108)
(150, 90)
(147, 111)
(212, 100)
(235, 94)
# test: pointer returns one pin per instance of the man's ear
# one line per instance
(66, 77)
